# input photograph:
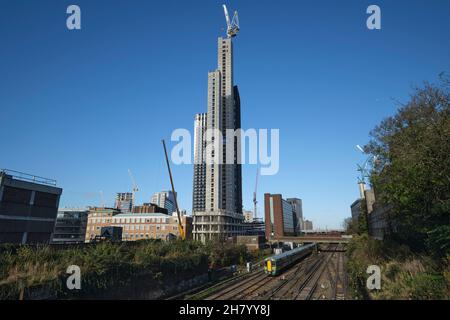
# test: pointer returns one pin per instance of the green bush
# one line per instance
(108, 265)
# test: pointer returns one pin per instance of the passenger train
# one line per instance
(275, 264)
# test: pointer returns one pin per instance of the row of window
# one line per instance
(131, 220)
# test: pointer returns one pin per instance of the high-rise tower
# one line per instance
(217, 194)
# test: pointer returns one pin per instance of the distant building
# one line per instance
(298, 213)
(70, 226)
(308, 225)
(164, 199)
(138, 226)
(279, 217)
(256, 227)
(253, 242)
(28, 207)
(99, 217)
(124, 202)
(150, 208)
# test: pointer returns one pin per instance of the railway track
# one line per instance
(300, 282)
(230, 291)
(309, 284)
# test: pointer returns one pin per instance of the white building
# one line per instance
(164, 199)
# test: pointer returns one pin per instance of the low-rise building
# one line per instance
(254, 242)
(28, 207)
(138, 226)
(150, 208)
(70, 226)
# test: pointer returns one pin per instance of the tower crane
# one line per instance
(363, 169)
(135, 187)
(180, 226)
(255, 202)
(233, 24)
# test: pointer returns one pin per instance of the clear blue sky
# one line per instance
(82, 107)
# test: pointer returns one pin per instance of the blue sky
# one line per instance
(84, 106)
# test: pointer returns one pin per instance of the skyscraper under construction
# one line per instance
(217, 190)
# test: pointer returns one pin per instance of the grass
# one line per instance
(108, 265)
(404, 274)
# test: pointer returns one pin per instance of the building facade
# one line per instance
(164, 199)
(150, 208)
(99, 217)
(217, 206)
(124, 202)
(28, 207)
(138, 226)
(199, 187)
(279, 217)
(308, 225)
(297, 208)
(70, 226)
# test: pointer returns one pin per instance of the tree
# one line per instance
(412, 171)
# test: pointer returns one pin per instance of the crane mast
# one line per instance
(135, 187)
(180, 226)
(255, 202)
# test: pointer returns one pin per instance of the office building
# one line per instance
(138, 226)
(70, 226)
(298, 213)
(164, 199)
(99, 217)
(279, 217)
(217, 188)
(124, 202)
(28, 207)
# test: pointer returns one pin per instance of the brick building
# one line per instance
(137, 226)
(279, 217)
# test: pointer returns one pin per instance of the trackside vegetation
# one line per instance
(412, 177)
(108, 265)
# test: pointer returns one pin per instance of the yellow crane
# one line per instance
(180, 225)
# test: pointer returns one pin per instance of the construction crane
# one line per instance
(180, 226)
(135, 187)
(255, 202)
(363, 169)
(233, 24)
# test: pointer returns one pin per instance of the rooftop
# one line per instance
(28, 177)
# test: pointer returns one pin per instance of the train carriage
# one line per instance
(275, 264)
